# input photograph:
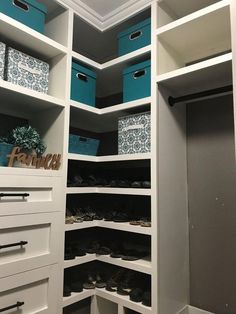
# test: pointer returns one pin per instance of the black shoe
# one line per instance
(136, 295)
(66, 291)
(147, 298)
(76, 286)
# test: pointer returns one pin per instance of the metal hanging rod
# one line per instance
(216, 91)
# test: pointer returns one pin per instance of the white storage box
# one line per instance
(134, 134)
(27, 71)
(2, 59)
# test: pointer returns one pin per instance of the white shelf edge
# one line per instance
(31, 93)
(111, 296)
(79, 260)
(101, 190)
(29, 32)
(109, 225)
(128, 56)
(108, 64)
(88, 61)
(111, 109)
(192, 16)
(195, 67)
(29, 172)
(139, 265)
(110, 158)
(76, 297)
(123, 300)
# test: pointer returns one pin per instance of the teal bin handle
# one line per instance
(82, 77)
(135, 35)
(83, 139)
(20, 5)
(139, 73)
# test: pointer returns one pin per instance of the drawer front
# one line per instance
(28, 195)
(29, 241)
(37, 292)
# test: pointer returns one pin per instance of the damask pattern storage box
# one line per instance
(134, 134)
(27, 71)
(137, 81)
(2, 59)
(29, 12)
(135, 37)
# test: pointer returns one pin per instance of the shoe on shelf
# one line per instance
(136, 295)
(100, 282)
(66, 291)
(93, 247)
(103, 250)
(147, 298)
(76, 286)
(145, 222)
(69, 254)
(136, 184)
(90, 282)
(121, 217)
(146, 184)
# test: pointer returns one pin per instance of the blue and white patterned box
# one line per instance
(134, 134)
(2, 59)
(27, 71)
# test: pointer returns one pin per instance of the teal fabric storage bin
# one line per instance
(5, 149)
(135, 37)
(83, 145)
(29, 12)
(83, 85)
(137, 81)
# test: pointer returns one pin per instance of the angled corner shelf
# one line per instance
(125, 226)
(29, 38)
(110, 158)
(98, 190)
(105, 120)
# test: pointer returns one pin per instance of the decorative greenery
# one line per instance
(25, 137)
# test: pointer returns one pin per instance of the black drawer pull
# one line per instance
(5, 246)
(138, 74)
(14, 195)
(135, 35)
(20, 5)
(82, 77)
(18, 304)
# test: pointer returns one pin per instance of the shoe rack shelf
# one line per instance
(124, 226)
(101, 190)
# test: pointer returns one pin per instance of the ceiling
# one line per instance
(104, 7)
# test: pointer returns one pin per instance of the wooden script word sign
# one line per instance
(50, 161)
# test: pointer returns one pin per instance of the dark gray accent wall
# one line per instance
(212, 204)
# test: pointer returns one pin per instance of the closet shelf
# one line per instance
(191, 23)
(29, 172)
(124, 60)
(125, 226)
(30, 39)
(110, 158)
(24, 101)
(143, 266)
(123, 301)
(80, 260)
(76, 297)
(106, 119)
(212, 73)
(101, 190)
(111, 296)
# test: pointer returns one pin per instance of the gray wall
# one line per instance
(212, 205)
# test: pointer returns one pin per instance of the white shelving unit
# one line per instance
(193, 49)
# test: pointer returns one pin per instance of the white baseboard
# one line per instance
(192, 310)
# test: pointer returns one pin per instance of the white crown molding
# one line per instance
(105, 22)
(124, 12)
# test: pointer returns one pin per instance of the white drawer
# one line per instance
(29, 241)
(37, 289)
(27, 195)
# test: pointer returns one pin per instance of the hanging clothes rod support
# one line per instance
(216, 91)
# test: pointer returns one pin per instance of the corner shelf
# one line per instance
(76, 297)
(80, 260)
(110, 158)
(29, 38)
(101, 190)
(121, 226)
(105, 120)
